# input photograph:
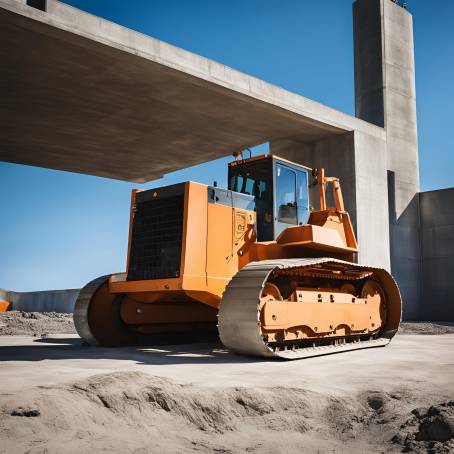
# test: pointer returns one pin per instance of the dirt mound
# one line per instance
(429, 430)
(130, 412)
(134, 412)
(18, 323)
(207, 410)
(426, 328)
(126, 412)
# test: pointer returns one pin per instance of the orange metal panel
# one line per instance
(194, 250)
(230, 233)
(4, 306)
(221, 258)
(321, 317)
(214, 236)
(211, 298)
(138, 313)
(161, 285)
(314, 236)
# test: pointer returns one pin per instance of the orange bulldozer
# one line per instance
(254, 263)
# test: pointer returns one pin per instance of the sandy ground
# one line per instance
(58, 396)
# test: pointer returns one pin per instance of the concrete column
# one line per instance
(386, 96)
(372, 201)
(335, 155)
(359, 160)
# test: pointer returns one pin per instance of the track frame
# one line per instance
(239, 313)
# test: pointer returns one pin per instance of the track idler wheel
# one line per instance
(97, 316)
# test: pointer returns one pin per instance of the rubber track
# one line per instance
(239, 322)
(81, 309)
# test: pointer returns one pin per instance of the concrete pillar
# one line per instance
(335, 155)
(386, 96)
(359, 160)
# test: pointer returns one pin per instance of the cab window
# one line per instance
(286, 195)
(247, 183)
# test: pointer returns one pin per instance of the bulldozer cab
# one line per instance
(280, 189)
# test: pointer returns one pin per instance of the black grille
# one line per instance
(157, 236)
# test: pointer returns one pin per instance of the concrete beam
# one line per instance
(83, 94)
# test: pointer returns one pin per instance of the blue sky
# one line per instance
(60, 230)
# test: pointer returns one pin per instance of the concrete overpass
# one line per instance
(82, 94)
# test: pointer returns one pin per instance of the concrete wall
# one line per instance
(386, 96)
(45, 301)
(437, 244)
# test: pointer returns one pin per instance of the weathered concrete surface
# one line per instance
(386, 96)
(42, 301)
(437, 247)
(83, 94)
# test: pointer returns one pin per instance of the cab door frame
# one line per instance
(301, 191)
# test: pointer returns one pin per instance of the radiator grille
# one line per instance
(156, 239)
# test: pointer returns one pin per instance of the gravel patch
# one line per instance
(19, 323)
(433, 328)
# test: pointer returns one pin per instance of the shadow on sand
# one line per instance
(57, 348)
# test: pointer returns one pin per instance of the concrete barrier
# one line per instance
(3, 295)
(44, 301)
(437, 244)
